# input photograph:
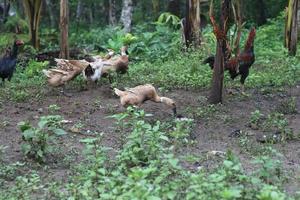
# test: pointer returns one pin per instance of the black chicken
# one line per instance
(240, 64)
(8, 61)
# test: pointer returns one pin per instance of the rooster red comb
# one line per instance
(250, 39)
(19, 42)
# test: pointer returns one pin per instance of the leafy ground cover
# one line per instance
(88, 147)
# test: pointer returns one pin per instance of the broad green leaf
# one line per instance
(29, 133)
(59, 131)
(24, 126)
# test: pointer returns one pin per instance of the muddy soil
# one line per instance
(88, 112)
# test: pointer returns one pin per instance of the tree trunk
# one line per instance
(4, 11)
(261, 12)
(112, 13)
(174, 7)
(294, 31)
(64, 23)
(33, 12)
(51, 13)
(238, 22)
(220, 33)
(6, 8)
(155, 5)
(192, 29)
(91, 16)
(298, 20)
(19, 9)
(291, 29)
(126, 16)
(79, 10)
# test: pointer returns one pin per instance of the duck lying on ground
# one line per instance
(65, 71)
(138, 95)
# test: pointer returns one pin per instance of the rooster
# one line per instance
(240, 64)
(9, 60)
(138, 95)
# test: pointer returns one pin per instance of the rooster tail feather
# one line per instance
(250, 39)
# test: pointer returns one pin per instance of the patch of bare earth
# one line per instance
(89, 110)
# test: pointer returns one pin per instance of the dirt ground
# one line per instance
(89, 109)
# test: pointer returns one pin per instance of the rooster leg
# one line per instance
(95, 83)
(244, 75)
(88, 84)
(242, 88)
(86, 87)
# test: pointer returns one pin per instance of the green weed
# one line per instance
(38, 141)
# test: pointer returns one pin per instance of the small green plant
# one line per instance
(20, 95)
(169, 19)
(7, 171)
(4, 124)
(53, 108)
(16, 24)
(288, 106)
(2, 153)
(24, 187)
(181, 133)
(270, 169)
(269, 192)
(129, 39)
(276, 122)
(255, 119)
(34, 68)
(206, 112)
(38, 141)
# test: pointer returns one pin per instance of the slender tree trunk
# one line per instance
(33, 12)
(112, 12)
(220, 33)
(294, 31)
(6, 8)
(192, 31)
(79, 10)
(51, 13)
(144, 9)
(291, 29)
(174, 7)
(64, 27)
(238, 22)
(261, 12)
(298, 19)
(126, 16)
(155, 5)
(91, 16)
(19, 9)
